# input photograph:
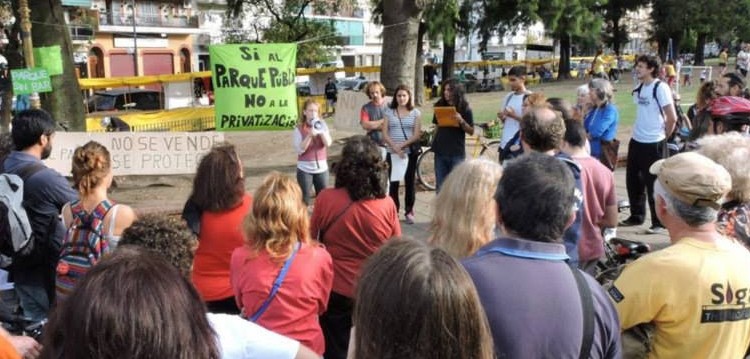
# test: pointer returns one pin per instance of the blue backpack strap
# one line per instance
(276, 285)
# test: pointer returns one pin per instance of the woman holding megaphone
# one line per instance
(311, 139)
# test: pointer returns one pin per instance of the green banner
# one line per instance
(49, 58)
(28, 81)
(254, 86)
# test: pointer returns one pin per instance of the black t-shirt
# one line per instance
(451, 141)
(331, 91)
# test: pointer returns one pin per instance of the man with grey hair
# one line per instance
(695, 292)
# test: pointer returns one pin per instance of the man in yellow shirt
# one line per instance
(695, 292)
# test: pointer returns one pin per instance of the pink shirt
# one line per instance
(598, 184)
(302, 297)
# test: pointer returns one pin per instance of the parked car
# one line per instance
(126, 99)
(303, 89)
(471, 83)
(352, 83)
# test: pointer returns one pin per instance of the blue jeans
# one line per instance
(32, 295)
(306, 180)
(443, 167)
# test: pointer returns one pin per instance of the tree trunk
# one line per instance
(419, 68)
(15, 61)
(700, 43)
(563, 71)
(400, 30)
(449, 58)
(65, 102)
(616, 36)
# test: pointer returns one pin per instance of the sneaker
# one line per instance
(656, 230)
(410, 218)
(631, 221)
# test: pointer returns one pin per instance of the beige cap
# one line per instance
(693, 179)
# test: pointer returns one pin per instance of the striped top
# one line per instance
(394, 125)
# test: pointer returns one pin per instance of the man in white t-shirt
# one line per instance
(512, 107)
(655, 120)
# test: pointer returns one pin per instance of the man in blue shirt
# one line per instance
(525, 284)
(45, 192)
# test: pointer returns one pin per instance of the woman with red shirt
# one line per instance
(220, 198)
(353, 220)
(282, 279)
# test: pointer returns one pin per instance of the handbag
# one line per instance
(608, 155)
(415, 148)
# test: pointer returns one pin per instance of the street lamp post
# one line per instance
(135, 42)
(28, 47)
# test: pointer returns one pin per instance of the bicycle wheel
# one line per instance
(426, 170)
(491, 151)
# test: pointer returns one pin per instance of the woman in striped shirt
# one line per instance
(402, 129)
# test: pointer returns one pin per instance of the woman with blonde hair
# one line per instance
(93, 217)
(416, 301)
(282, 279)
(221, 201)
(311, 141)
(465, 219)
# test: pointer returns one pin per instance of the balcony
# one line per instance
(149, 20)
(80, 32)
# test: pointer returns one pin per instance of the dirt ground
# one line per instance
(260, 152)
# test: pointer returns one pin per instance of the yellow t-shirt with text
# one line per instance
(695, 293)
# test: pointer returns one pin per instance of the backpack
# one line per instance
(674, 140)
(82, 247)
(17, 240)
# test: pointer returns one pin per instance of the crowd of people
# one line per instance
(507, 269)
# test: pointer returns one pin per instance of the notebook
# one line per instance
(446, 116)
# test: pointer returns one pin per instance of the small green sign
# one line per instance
(254, 86)
(49, 58)
(28, 81)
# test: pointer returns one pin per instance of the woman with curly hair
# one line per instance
(169, 238)
(464, 220)
(220, 198)
(281, 278)
(353, 220)
(731, 151)
(92, 212)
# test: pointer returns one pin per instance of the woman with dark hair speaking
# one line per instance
(353, 220)
(219, 194)
(449, 144)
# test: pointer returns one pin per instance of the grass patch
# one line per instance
(485, 105)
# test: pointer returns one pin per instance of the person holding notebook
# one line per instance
(449, 144)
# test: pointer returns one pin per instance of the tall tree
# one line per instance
(400, 29)
(65, 102)
(615, 31)
(566, 18)
(285, 22)
(499, 17)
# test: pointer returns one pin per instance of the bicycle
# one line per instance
(486, 145)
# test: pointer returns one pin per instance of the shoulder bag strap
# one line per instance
(276, 285)
(588, 313)
(323, 230)
(400, 123)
